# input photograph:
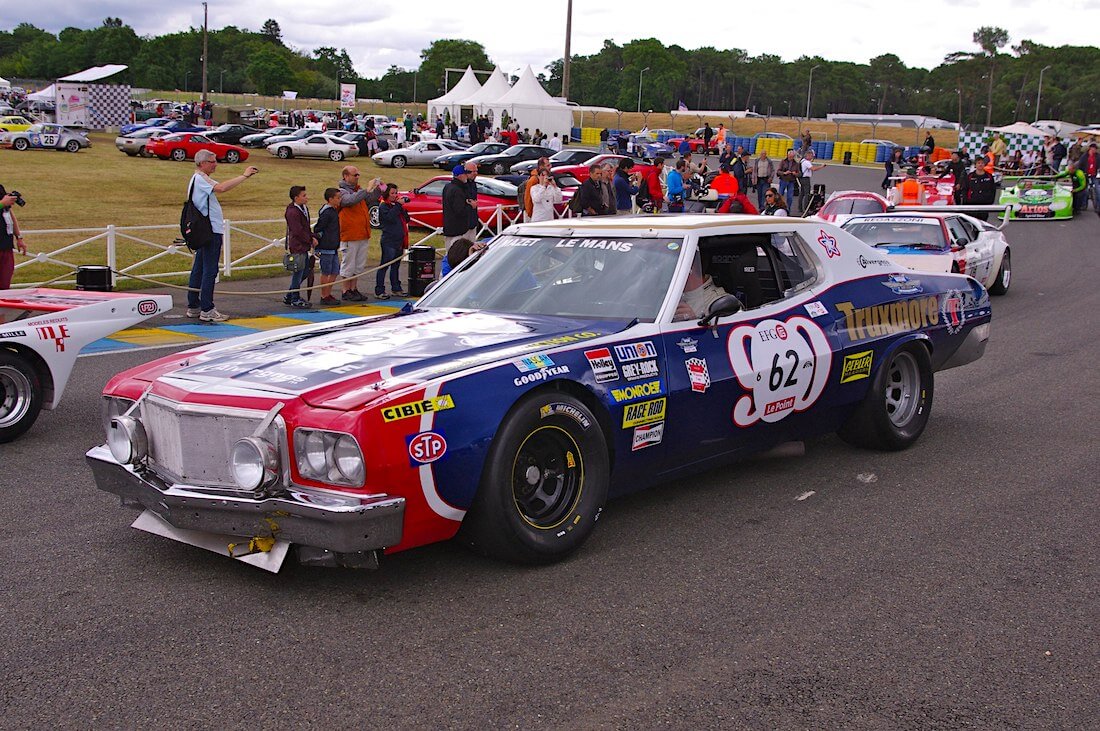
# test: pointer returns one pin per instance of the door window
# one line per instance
(959, 234)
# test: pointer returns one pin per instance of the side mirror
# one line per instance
(724, 306)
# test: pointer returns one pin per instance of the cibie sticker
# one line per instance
(816, 309)
(647, 436)
(426, 447)
(953, 310)
(783, 366)
(856, 366)
(572, 412)
(828, 242)
(603, 365)
(416, 408)
(698, 374)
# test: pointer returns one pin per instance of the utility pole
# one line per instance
(205, 88)
(568, 38)
(810, 90)
(1039, 97)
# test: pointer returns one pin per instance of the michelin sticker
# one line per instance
(558, 408)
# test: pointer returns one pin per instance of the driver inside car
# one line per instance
(699, 291)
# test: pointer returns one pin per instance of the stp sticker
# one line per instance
(828, 242)
(426, 447)
(147, 307)
(647, 436)
(698, 374)
(635, 351)
(603, 366)
(783, 366)
(815, 309)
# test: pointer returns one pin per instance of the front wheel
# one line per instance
(232, 156)
(20, 144)
(283, 153)
(897, 405)
(498, 168)
(72, 146)
(544, 482)
(20, 396)
(179, 154)
(336, 156)
(399, 161)
(1004, 275)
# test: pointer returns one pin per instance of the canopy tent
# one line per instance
(95, 73)
(494, 88)
(529, 104)
(1057, 127)
(704, 113)
(4, 83)
(914, 121)
(48, 94)
(1019, 128)
(467, 86)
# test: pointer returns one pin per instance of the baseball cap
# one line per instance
(458, 170)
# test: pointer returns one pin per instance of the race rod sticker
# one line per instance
(644, 412)
(784, 366)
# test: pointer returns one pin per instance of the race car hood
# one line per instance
(345, 365)
(922, 261)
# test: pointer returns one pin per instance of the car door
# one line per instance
(749, 381)
(977, 261)
(429, 151)
(316, 146)
(981, 252)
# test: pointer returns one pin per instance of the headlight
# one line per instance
(331, 457)
(127, 440)
(113, 406)
(254, 463)
(1058, 206)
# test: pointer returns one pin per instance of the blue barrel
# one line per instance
(829, 148)
(751, 146)
(881, 153)
(575, 133)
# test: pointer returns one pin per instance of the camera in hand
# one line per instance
(18, 198)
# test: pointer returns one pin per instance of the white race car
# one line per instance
(939, 242)
(41, 334)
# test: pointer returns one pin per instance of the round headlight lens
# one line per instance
(349, 460)
(253, 463)
(316, 454)
(127, 440)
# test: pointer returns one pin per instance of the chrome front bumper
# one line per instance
(333, 523)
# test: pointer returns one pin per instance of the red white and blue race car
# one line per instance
(41, 334)
(566, 364)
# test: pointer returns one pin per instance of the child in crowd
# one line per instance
(327, 233)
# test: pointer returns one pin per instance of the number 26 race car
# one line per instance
(41, 334)
(566, 364)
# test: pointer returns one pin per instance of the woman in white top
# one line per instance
(544, 195)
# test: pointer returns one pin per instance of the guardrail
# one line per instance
(244, 245)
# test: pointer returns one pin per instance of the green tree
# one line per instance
(272, 32)
(990, 39)
(885, 72)
(270, 71)
(335, 64)
(448, 53)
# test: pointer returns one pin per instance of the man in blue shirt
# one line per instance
(675, 183)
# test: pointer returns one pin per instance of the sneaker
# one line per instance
(300, 305)
(398, 293)
(351, 296)
(329, 301)
(381, 296)
(359, 297)
(193, 312)
(213, 316)
(287, 301)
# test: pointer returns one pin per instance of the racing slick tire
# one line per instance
(544, 482)
(284, 153)
(897, 405)
(1004, 275)
(72, 146)
(179, 154)
(336, 155)
(399, 161)
(20, 144)
(20, 395)
(232, 156)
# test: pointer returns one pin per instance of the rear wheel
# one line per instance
(544, 483)
(72, 146)
(232, 156)
(336, 155)
(20, 144)
(179, 154)
(399, 161)
(897, 405)
(20, 395)
(283, 152)
(1004, 275)
(498, 168)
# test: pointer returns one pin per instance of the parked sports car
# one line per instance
(533, 383)
(298, 134)
(568, 156)
(315, 145)
(231, 134)
(564, 180)
(258, 139)
(14, 123)
(498, 163)
(46, 137)
(420, 153)
(425, 203)
(843, 204)
(134, 143)
(581, 172)
(172, 125)
(1039, 199)
(450, 159)
(183, 146)
(939, 242)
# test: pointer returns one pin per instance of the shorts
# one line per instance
(355, 258)
(329, 261)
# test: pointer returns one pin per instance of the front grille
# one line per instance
(191, 444)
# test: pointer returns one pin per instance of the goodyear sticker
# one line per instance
(416, 408)
(644, 412)
(856, 366)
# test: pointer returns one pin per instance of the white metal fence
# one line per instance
(144, 250)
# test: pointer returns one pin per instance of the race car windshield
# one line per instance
(601, 277)
(917, 235)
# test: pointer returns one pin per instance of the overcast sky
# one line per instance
(380, 34)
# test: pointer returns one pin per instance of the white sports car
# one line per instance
(422, 153)
(330, 146)
(41, 334)
(46, 137)
(939, 242)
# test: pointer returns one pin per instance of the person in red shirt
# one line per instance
(724, 183)
(1090, 164)
(653, 184)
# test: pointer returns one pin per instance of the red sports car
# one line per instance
(184, 145)
(695, 142)
(425, 203)
(580, 172)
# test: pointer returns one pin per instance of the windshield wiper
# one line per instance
(911, 245)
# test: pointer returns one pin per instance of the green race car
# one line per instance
(1038, 198)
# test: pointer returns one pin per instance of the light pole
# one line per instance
(640, 87)
(186, 79)
(221, 82)
(788, 103)
(1039, 96)
(809, 90)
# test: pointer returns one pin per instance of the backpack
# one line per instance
(195, 226)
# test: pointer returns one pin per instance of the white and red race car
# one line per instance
(41, 334)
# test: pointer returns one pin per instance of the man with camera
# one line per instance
(10, 236)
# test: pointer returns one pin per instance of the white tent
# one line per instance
(1057, 127)
(467, 86)
(494, 88)
(4, 83)
(1019, 128)
(48, 94)
(529, 104)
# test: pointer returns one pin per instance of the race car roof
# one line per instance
(658, 222)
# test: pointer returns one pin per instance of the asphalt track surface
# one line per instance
(954, 585)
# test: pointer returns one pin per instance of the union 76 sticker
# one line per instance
(783, 366)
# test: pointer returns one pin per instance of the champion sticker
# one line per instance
(647, 436)
(698, 374)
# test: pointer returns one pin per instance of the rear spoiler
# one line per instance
(992, 208)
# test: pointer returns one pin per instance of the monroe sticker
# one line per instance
(636, 391)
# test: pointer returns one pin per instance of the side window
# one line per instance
(958, 233)
(758, 269)
(970, 228)
(433, 188)
(794, 269)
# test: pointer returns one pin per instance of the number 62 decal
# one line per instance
(783, 365)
